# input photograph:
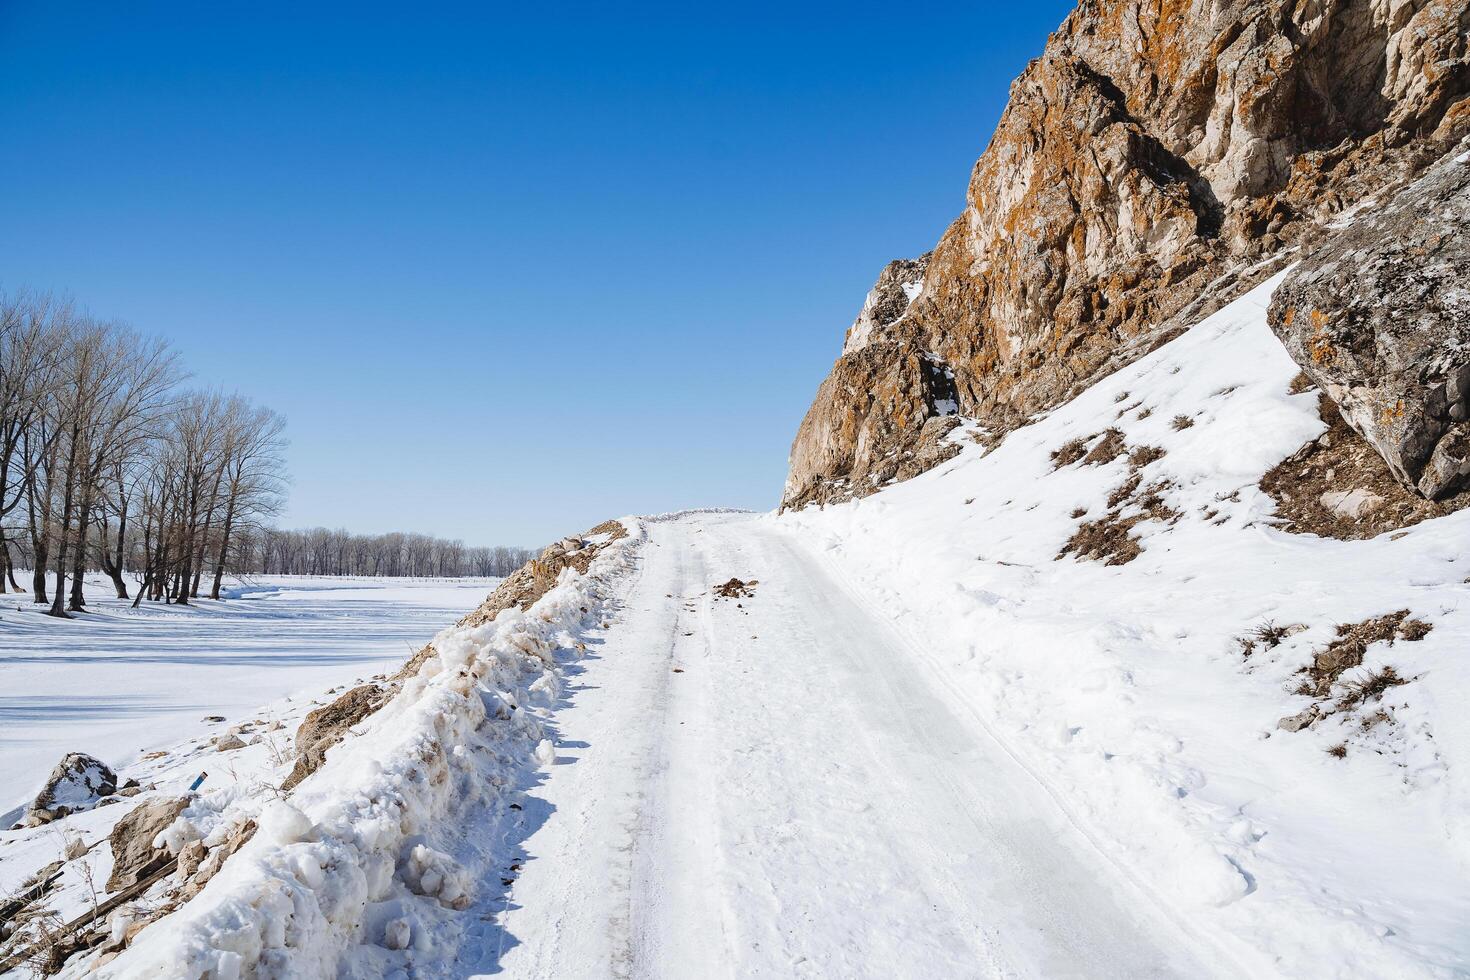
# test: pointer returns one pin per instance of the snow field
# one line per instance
(118, 682)
(1123, 689)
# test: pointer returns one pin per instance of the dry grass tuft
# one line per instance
(1299, 384)
(1069, 453)
(1266, 636)
(1144, 455)
(1109, 449)
(1181, 422)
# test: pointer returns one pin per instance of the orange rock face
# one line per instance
(1153, 154)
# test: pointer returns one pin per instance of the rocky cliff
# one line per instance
(1145, 166)
(1379, 319)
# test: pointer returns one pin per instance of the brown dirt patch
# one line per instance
(1338, 462)
(324, 727)
(736, 589)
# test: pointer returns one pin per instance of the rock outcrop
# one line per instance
(133, 855)
(1146, 163)
(1379, 318)
(79, 782)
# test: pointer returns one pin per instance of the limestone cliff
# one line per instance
(1145, 164)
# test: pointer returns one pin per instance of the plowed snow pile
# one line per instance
(334, 880)
(1210, 698)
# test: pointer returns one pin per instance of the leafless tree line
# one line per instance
(323, 551)
(107, 462)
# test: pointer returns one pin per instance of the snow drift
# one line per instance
(349, 871)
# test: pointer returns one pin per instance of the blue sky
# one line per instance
(507, 269)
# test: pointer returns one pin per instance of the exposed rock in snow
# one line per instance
(132, 841)
(1352, 504)
(1379, 319)
(326, 726)
(229, 742)
(898, 285)
(1145, 164)
(877, 418)
(79, 782)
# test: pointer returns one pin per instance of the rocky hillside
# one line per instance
(1147, 168)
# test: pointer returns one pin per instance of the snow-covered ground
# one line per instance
(1339, 850)
(117, 681)
(920, 744)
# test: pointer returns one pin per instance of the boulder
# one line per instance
(1351, 504)
(79, 782)
(1300, 720)
(229, 742)
(133, 855)
(1379, 318)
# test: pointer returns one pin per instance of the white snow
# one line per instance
(925, 746)
(1123, 690)
(116, 682)
(364, 864)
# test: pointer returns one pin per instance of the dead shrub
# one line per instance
(1302, 382)
(1109, 449)
(1414, 630)
(1371, 688)
(1124, 491)
(1347, 650)
(1144, 455)
(1106, 540)
(1181, 422)
(1069, 453)
(1267, 635)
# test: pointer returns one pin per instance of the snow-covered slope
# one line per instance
(1339, 849)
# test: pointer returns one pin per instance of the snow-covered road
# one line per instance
(778, 786)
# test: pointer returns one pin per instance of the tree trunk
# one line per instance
(58, 601)
(113, 569)
(78, 601)
(224, 547)
(40, 543)
(9, 565)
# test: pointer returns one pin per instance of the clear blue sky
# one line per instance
(508, 269)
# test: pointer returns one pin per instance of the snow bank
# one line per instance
(349, 858)
(1124, 689)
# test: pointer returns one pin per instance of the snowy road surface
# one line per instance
(777, 786)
